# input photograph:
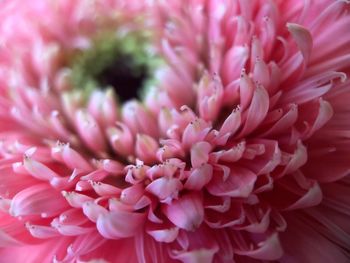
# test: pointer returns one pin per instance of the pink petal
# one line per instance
(42, 232)
(146, 148)
(121, 139)
(257, 111)
(303, 39)
(93, 210)
(187, 212)
(164, 235)
(119, 224)
(90, 132)
(200, 153)
(231, 123)
(239, 183)
(74, 199)
(7, 241)
(199, 177)
(270, 249)
(38, 170)
(165, 189)
(39, 200)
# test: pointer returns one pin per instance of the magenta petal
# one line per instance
(235, 137)
(203, 255)
(239, 183)
(270, 249)
(312, 197)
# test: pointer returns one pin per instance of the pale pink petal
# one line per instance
(303, 39)
(199, 177)
(269, 249)
(119, 224)
(239, 183)
(186, 212)
(165, 189)
(38, 200)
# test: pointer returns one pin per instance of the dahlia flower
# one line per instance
(174, 131)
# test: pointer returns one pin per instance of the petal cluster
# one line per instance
(239, 151)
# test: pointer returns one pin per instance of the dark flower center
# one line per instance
(125, 76)
(121, 63)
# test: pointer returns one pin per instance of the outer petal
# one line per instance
(119, 224)
(38, 200)
(239, 183)
(186, 213)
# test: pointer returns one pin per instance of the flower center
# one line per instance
(121, 62)
(125, 76)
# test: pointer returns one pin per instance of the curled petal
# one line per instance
(203, 255)
(37, 200)
(38, 170)
(146, 148)
(257, 110)
(261, 73)
(139, 119)
(103, 189)
(270, 249)
(70, 230)
(195, 131)
(239, 183)
(303, 39)
(200, 154)
(73, 159)
(325, 113)
(246, 90)
(199, 177)
(312, 197)
(120, 224)
(234, 61)
(165, 189)
(186, 213)
(231, 123)
(93, 210)
(76, 200)
(164, 235)
(132, 194)
(231, 155)
(121, 139)
(90, 131)
(42, 232)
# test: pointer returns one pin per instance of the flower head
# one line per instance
(174, 131)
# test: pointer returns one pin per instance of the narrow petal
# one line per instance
(303, 39)
(270, 249)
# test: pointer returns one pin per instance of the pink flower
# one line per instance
(238, 151)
